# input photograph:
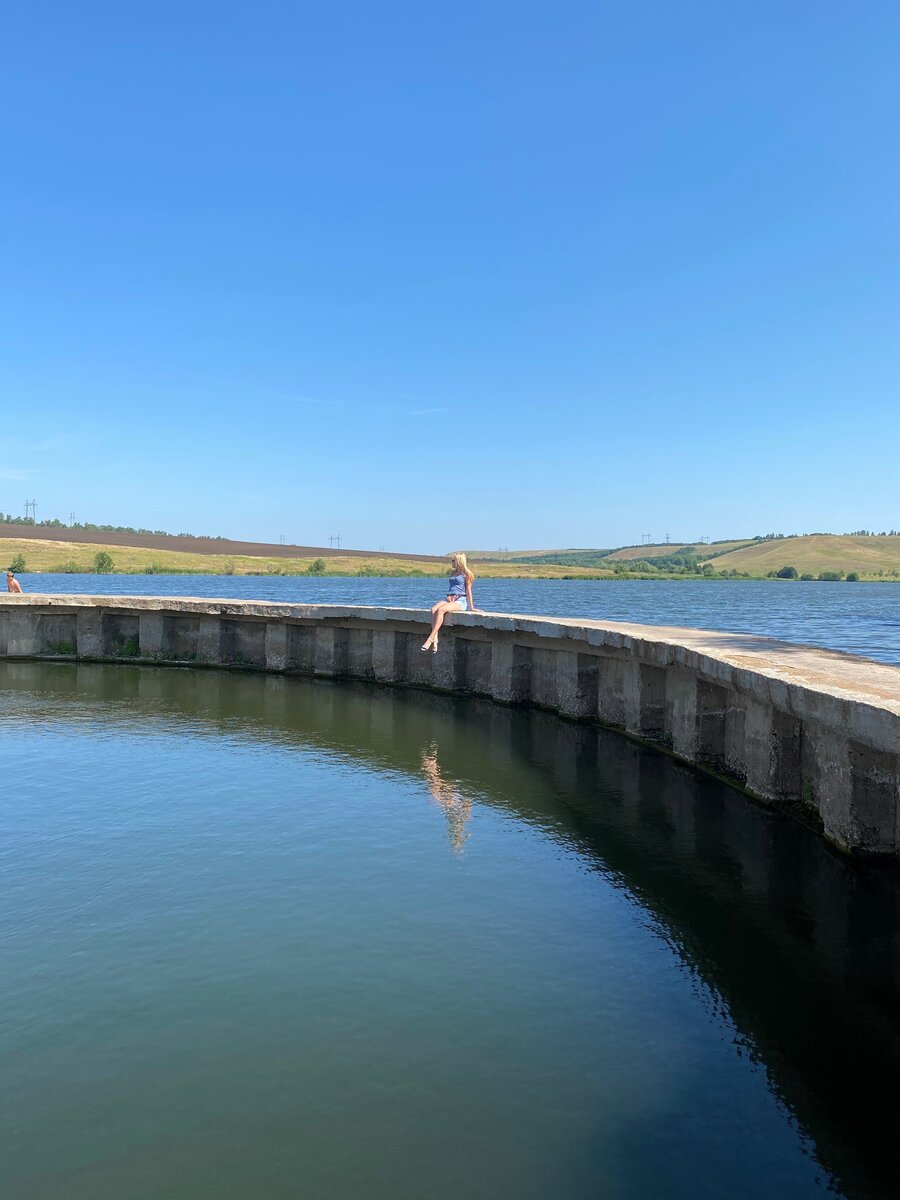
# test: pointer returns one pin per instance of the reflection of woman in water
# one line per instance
(457, 807)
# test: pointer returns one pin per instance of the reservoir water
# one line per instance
(280, 937)
(860, 618)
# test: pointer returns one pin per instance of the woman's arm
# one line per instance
(469, 594)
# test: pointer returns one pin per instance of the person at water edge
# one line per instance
(459, 598)
(12, 584)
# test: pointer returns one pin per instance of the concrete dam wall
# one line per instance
(814, 732)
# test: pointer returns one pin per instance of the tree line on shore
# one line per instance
(90, 527)
(822, 577)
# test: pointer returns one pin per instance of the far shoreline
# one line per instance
(531, 577)
(46, 555)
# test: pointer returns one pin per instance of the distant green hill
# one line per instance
(871, 556)
(563, 558)
(530, 556)
(703, 550)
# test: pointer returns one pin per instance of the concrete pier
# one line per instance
(814, 732)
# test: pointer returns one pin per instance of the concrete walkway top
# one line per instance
(843, 676)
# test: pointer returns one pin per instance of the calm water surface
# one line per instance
(267, 937)
(861, 618)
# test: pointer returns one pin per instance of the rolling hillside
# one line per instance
(187, 544)
(871, 557)
(814, 553)
(527, 555)
(57, 555)
(55, 550)
(662, 550)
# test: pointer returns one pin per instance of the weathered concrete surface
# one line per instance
(814, 731)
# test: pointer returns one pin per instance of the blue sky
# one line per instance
(434, 275)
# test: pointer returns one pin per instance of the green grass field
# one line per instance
(874, 557)
(61, 556)
(635, 553)
(871, 557)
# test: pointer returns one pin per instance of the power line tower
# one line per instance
(31, 504)
(281, 538)
(334, 540)
(71, 518)
(645, 539)
(667, 540)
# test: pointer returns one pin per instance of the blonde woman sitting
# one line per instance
(459, 598)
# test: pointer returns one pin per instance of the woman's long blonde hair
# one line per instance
(459, 565)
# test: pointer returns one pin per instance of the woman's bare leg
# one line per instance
(437, 619)
(435, 623)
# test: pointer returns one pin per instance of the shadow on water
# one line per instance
(798, 946)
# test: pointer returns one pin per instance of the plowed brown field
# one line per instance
(198, 545)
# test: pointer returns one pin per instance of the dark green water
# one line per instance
(270, 938)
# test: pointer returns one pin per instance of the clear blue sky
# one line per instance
(435, 275)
